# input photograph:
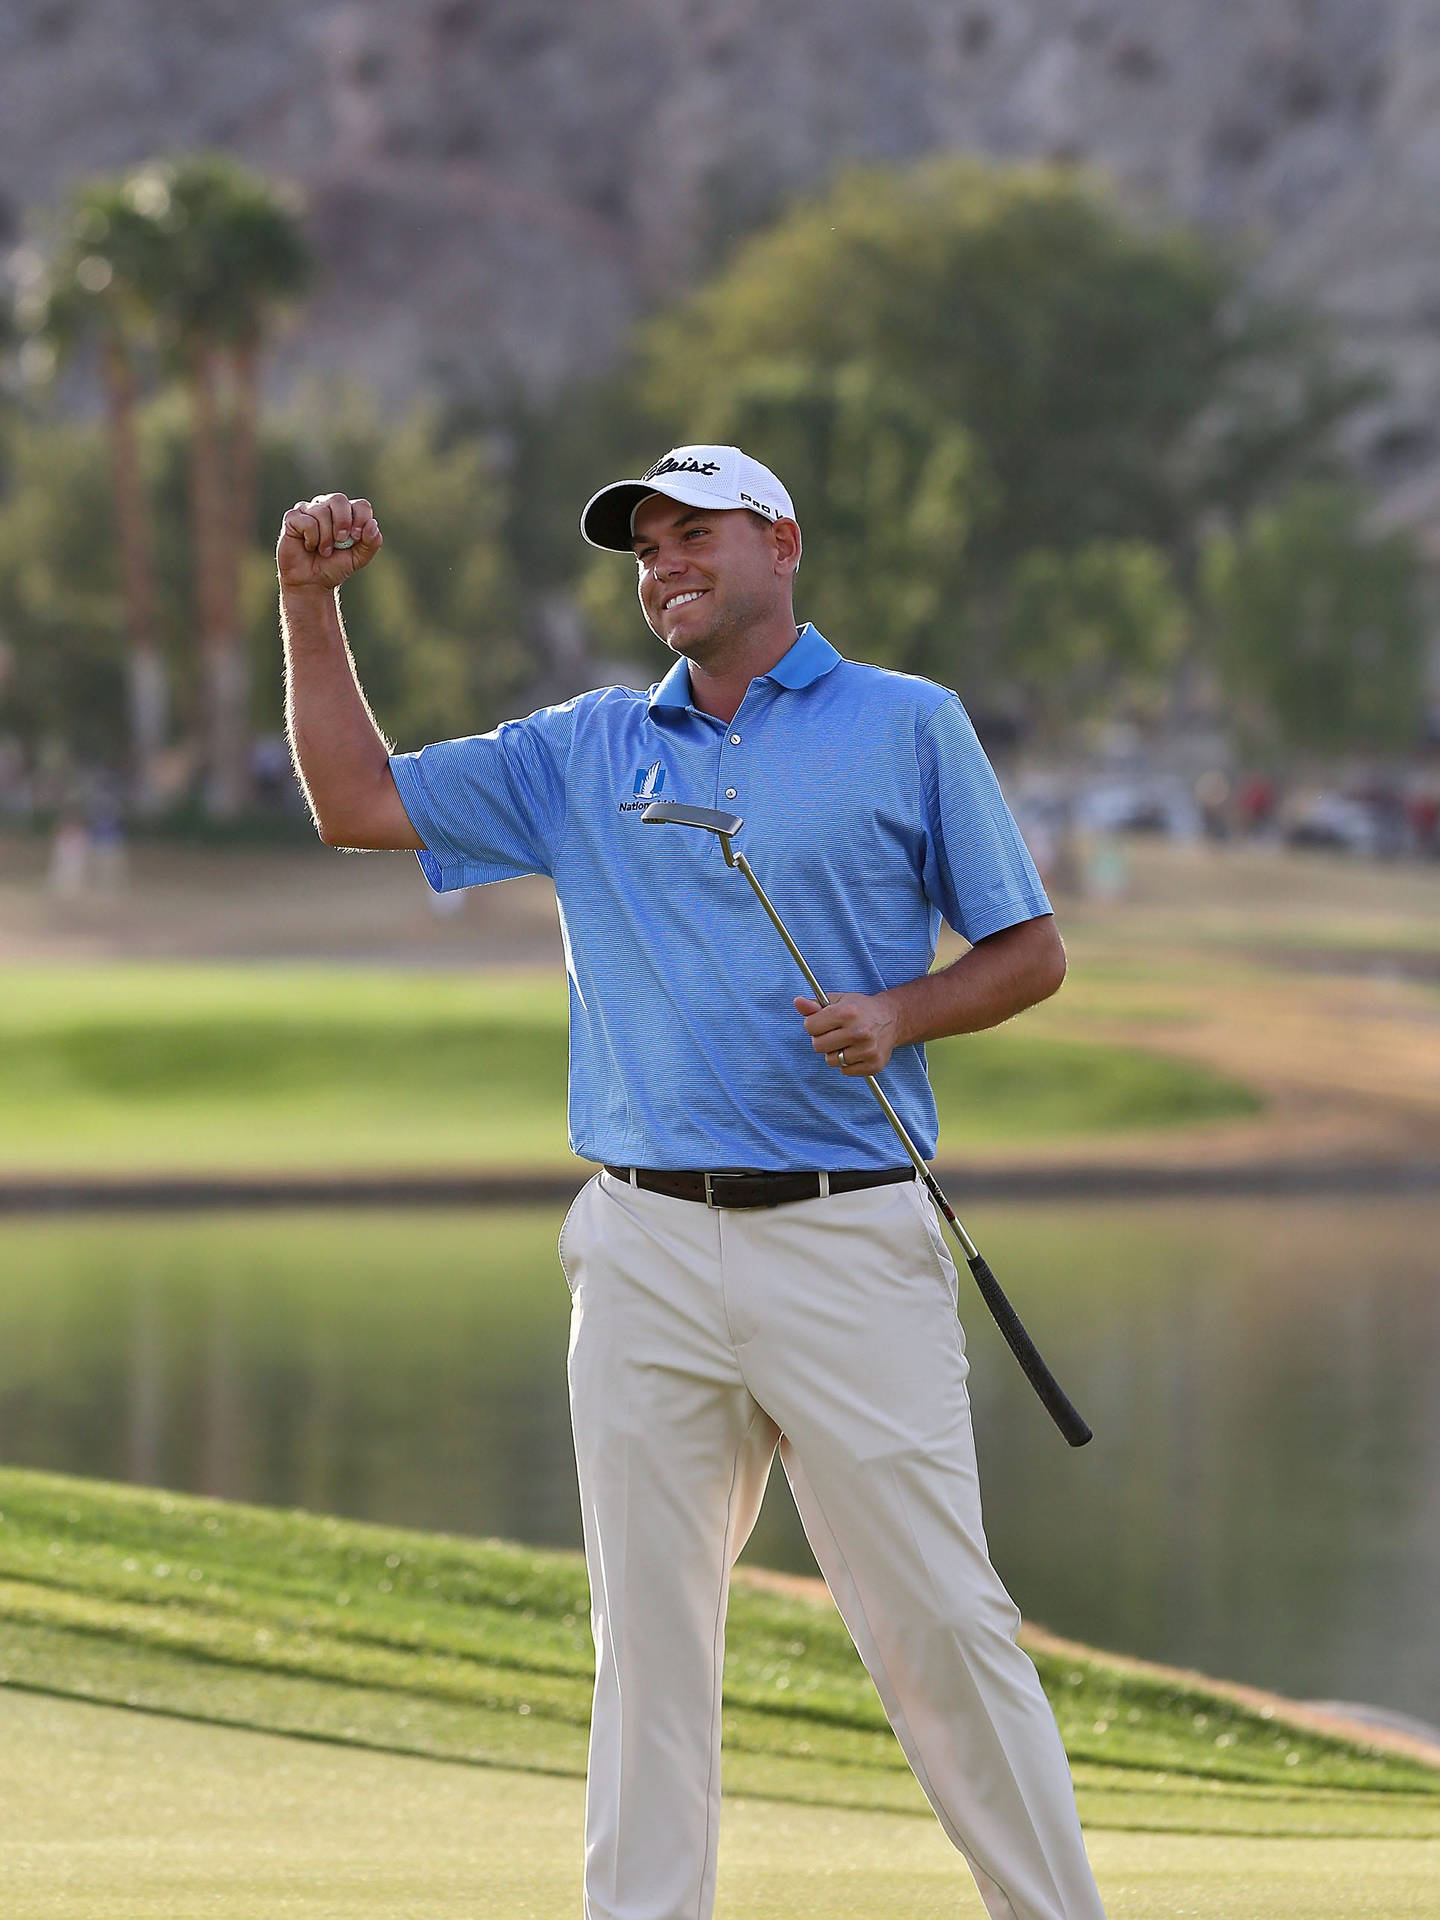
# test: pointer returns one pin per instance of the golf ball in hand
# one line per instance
(345, 540)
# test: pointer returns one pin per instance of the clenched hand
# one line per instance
(324, 540)
(856, 1032)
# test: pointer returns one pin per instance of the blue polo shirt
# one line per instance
(871, 813)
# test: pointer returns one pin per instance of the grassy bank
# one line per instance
(478, 1651)
(128, 1068)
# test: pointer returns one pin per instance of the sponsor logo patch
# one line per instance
(671, 465)
(649, 784)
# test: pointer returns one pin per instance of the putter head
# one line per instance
(662, 813)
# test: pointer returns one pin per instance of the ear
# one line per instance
(786, 535)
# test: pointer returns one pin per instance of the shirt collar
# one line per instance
(811, 657)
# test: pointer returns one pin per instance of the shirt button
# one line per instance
(729, 793)
(734, 739)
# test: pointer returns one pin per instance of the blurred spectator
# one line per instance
(1212, 797)
(52, 777)
(69, 870)
(1423, 813)
(15, 796)
(171, 773)
(1046, 816)
(272, 777)
(1040, 839)
(108, 859)
(1105, 865)
(1065, 874)
(1256, 799)
(1384, 802)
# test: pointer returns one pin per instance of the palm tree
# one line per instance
(232, 250)
(93, 297)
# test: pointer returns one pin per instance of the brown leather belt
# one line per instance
(755, 1189)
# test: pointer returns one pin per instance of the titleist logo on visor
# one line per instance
(670, 465)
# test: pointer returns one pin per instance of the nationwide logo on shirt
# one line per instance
(649, 784)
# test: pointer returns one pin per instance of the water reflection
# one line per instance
(1262, 1498)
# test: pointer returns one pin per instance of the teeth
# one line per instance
(683, 599)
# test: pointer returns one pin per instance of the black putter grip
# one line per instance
(1024, 1349)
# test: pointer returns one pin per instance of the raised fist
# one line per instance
(324, 540)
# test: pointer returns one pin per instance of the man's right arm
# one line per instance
(341, 757)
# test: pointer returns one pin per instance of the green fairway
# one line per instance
(131, 1068)
(439, 1688)
(145, 1817)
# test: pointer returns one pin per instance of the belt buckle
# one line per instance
(718, 1206)
(822, 1181)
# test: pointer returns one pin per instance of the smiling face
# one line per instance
(709, 580)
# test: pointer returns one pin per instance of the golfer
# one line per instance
(751, 1270)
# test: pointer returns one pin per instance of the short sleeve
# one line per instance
(978, 872)
(490, 807)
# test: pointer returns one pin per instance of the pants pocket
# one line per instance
(935, 1234)
(567, 1266)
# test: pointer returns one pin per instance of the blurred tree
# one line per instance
(91, 298)
(552, 456)
(10, 336)
(1093, 631)
(62, 598)
(1090, 358)
(1064, 376)
(889, 501)
(1318, 627)
(435, 622)
(192, 258)
(892, 494)
(227, 251)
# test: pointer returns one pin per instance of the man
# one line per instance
(751, 1270)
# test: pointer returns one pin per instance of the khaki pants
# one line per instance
(699, 1340)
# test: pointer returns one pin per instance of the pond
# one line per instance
(1261, 1500)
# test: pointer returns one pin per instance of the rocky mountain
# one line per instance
(496, 187)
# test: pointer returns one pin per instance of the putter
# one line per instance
(1053, 1398)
